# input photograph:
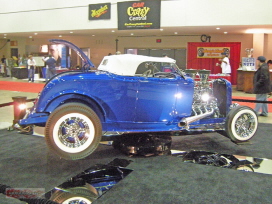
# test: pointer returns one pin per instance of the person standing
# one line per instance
(10, 62)
(269, 63)
(225, 64)
(44, 58)
(31, 66)
(3, 59)
(56, 52)
(50, 63)
(261, 86)
(23, 61)
(3, 67)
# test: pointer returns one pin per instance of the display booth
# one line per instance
(206, 55)
(19, 72)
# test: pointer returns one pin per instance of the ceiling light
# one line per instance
(112, 31)
(93, 35)
(161, 29)
(71, 32)
(30, 36)
(176, 33)
(225, 32)
(217, 28)
(60, 36)
(131, 34)
(35, 33)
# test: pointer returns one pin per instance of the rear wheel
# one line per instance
(241, 124)
(73, 131)
(83, 195)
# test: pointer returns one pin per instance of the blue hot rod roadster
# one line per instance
(130, 94)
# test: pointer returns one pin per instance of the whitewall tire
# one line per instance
(73, 131)
(241, 123)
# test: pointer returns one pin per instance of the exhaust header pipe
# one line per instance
(184, 122)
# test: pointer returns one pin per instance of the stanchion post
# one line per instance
(18, 112)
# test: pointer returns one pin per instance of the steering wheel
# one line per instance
(147, 73)
(164, 75)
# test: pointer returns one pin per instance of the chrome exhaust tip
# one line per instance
(184, 122)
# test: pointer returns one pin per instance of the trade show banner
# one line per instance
(195, 61)
(139, 15)
(99, 11)
(212, 52)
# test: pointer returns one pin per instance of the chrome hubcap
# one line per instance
(73, 132)
(245, 125)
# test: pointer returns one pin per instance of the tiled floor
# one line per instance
(7, 115)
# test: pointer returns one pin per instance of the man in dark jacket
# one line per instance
(261, 82)
(51, 67)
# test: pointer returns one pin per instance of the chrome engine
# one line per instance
(204, 103)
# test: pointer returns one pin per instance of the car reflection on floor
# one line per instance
(90, 184)
(160, 144)
(237, 162)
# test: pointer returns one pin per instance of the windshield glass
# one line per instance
(155, 67)
(176, 69)
(173, 68)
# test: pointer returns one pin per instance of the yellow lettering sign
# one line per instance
(141, 12)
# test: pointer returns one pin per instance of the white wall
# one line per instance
(216, 12)
(40, 15)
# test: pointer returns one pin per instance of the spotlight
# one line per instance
(22, 106)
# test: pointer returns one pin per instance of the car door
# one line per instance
(164, 99)
(122, 103)
(155, 99)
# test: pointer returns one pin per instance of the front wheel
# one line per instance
(241, 124)
(73, 131)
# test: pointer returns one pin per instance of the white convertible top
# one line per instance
(127, 64)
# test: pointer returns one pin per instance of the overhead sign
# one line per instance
(139, 15)
(212, 52)
(99, 11)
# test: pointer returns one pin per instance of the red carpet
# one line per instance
(21, 86)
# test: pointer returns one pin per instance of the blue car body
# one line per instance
(123, 103)
(132, 94)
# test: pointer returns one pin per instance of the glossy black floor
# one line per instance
(27, 163)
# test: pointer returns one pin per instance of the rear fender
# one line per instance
(68, 98)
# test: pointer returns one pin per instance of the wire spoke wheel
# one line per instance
(73, 131)
(241, 124)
